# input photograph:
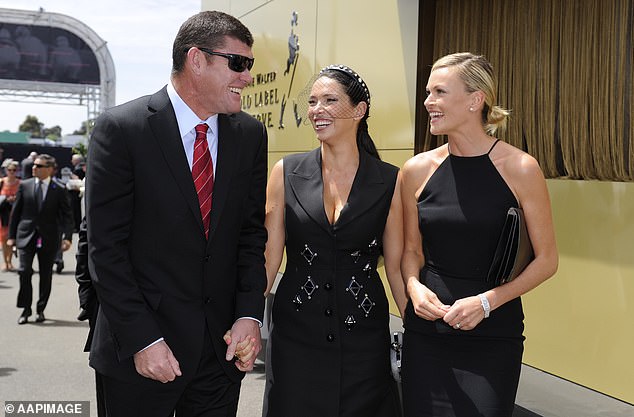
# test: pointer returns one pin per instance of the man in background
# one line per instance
(40, 211)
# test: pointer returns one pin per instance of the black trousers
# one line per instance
(45, 258)
(210, 393)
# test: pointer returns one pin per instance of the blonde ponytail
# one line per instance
(496, 119)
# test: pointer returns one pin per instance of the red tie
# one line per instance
(203, 174)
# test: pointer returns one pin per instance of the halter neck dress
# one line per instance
(449, 372)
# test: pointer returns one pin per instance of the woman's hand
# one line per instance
(425, 301)
(465, 313)
(245, 351)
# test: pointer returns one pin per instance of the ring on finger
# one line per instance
(457, 326)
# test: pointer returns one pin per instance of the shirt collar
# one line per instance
(185, 117)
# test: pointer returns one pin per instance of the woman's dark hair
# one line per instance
(357, 91)
(207, 29)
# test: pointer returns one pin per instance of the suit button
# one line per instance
(328, 312)
(206, 258)
(207, 300)
(330, 337)
(328, 286)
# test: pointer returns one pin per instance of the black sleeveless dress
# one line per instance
(330, 335)
(449, 372)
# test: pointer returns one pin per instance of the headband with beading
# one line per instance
(351, 73)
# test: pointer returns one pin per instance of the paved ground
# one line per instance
(45, 361)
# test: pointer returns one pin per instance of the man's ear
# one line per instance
(194, 60)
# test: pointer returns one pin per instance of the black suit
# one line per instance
(88, 301)
(38, 232)
(155, 273)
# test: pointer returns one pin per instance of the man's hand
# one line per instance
(245, 351)
(157, 362)
(244, 332)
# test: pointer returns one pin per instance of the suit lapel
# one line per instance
(164, 126)
(307, 185)
(226, 164)
(368, 187)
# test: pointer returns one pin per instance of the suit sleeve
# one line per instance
(65, 216)
(251, 272)
(109, 213)
(85, 291)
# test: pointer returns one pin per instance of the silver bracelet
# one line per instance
(485, 305)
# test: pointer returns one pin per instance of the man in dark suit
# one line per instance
(40, 211)
(177, 260)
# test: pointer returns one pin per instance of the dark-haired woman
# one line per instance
(336, 210)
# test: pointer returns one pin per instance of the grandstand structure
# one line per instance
(54, 58)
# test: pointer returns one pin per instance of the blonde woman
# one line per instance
(8, 190)
(463, 338)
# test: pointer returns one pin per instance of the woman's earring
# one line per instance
(470, 108)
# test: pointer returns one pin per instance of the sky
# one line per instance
(139, 36)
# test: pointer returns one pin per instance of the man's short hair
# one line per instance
(48, 159)
(208, 29)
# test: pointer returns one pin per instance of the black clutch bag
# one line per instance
(514, 250)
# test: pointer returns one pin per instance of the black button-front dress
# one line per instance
(449, 372)
(330, 333)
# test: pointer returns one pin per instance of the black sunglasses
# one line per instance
(237, 63)
(41, 166)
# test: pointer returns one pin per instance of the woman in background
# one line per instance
(8, 190)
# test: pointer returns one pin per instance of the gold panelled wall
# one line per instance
(565, 70)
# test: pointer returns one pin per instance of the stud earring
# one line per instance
(470, 108)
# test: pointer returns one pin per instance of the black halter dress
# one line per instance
(449, 372)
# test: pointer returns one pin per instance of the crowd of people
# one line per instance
(183, 239)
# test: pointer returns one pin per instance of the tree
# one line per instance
(81, 149)
(53, 133)
(33, 126)
(86, 127)
(83, 130)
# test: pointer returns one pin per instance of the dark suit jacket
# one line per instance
(27, 222)
(155, 273)
(85, 290)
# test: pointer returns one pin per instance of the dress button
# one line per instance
(330, 337)
(328, 286)
(328, 312)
